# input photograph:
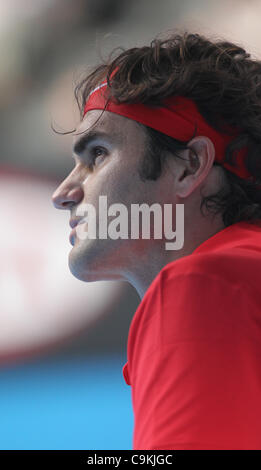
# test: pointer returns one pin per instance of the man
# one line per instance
(178, 122)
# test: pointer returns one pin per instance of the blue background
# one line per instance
(73, 403)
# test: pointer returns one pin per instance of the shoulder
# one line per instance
(207, 286)
(200, 300)
(236, 267)
(212, 284)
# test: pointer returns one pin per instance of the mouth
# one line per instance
(74, 222)
(72, 236)
(74, 225)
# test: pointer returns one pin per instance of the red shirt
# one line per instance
(194, 348)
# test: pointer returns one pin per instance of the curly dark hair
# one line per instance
(224, 82)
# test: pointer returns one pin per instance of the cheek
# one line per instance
(124, 184)
(120, 183)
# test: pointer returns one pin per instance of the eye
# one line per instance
(97, 152)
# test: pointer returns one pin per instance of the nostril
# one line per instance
(67, 203)
(65, 198)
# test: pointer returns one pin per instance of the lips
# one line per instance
(74, 222)
(71, 237)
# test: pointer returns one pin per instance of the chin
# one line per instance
(87, 261)
(82, 266)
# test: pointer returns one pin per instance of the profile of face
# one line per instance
(108, 150)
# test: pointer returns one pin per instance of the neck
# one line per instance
(149, 265)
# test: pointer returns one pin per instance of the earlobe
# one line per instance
(186, 185)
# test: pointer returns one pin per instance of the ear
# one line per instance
(198, 161)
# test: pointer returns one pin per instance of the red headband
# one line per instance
(177, 118)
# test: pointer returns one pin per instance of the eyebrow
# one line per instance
(87, 138)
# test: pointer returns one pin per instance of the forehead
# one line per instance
(112, 124)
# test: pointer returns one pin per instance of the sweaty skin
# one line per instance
(114, 173)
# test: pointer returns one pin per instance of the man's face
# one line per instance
(117, 144)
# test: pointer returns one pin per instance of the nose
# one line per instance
(68, 193)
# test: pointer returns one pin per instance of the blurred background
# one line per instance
(63, 342)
